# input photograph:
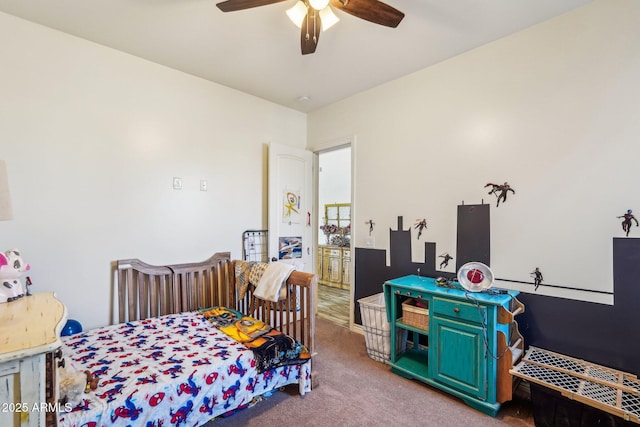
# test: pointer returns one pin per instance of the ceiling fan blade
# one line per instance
(310, 34)
(233, 5)
(371, 10)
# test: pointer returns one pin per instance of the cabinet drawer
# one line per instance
(9, 368)
(411, 294)
(459, 310)
(346, 253)
(331, 252)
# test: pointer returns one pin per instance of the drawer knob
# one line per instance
(61, 363)
(456, 310)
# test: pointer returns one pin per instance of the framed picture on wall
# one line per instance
(290, 247)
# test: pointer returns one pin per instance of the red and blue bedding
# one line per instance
(174, 370)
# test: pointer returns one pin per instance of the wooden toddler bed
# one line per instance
(172, 361)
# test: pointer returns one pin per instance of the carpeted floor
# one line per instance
(355, 390)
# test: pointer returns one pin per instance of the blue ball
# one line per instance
(71, 327)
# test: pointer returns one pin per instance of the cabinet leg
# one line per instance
(487, 408)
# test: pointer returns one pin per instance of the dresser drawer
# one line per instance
(459, 310)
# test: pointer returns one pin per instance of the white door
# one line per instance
(290, 205)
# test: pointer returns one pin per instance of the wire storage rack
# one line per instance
(255, 245)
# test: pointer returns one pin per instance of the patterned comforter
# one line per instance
(175, 370)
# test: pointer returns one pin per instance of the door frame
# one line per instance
(348, 141)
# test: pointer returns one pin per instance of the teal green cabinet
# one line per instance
(469, 345)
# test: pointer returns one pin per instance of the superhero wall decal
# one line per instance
(420, 225)
(500, 190)
(370, 223)
(626, 222)
(537, 278)
(445, 261)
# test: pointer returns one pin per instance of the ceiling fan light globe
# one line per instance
(319, 4)
(328, 18)
(297, 13)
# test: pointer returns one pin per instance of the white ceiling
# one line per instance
(257, 51)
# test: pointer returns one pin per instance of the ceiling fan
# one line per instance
(313, 15)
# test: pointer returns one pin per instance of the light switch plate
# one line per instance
(177, 183)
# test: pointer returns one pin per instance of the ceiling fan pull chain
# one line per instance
(306, 3)
(315, 21)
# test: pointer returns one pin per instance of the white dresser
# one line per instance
(29, 352)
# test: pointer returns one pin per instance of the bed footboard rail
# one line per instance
(295, 314)
(146, 290)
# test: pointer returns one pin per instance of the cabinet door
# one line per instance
(9, 392)
(346, 268)
(458, 358)
(335, 267)
(23, 382)
(326, 252)
(320, 266)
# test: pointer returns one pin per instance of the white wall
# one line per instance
(553, 110)
(92, 138)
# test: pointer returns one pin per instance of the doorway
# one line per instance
(333, 247)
